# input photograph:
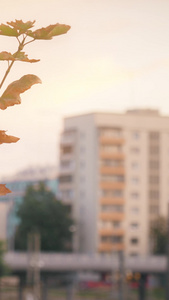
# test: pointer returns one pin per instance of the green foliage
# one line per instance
(24, 35)
(42, 212)
(4, 270)
(159, 236)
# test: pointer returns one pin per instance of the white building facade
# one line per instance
(114, 174)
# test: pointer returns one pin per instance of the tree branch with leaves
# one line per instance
(158, 236)
(24, 34)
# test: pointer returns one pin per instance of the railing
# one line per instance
(18, 261)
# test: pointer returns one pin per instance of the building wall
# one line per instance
(105, 222)
(83, 182)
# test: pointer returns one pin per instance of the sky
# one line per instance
(115, 57)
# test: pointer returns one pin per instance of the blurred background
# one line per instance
(96, 134)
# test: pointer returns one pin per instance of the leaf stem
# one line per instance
(6, 73)
(21, 45)
(29, 42)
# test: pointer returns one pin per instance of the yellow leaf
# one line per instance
(7, 30)
(46, 33)
(11, 96)
(21, 56)
(4, 190)
(4, 138)
(21, 26)
(6, 56)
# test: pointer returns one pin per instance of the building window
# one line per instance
(111, 148)
(105, 193)
(111, 208)
(135, 195)
(117, 193)
(82, 149)
(66, 149)
(154, 209)
(154, 164)
(117, 239)
(82, 135)
(112, 193)
(105, 224)
(66, 194)
(110, 132)
(154, 135)
(136, 135)
(112, 163)
(133, 254)
(154, 179)
(82, 194)
(82, 179)
(135, 209)
(154, 194)
(135, 150)
(154, 150)
(82, 164)
(65, 178)
(135, 180)
(117, 224)
(65, 164)
(134, 226)
(134, 165)
(113, 178)
(134, 241)
(112, 239)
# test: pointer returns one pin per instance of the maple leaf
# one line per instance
(4, 138)
(21, 56)
(4, 190)
(46, 33)
(11, 95)
(20, 26)
(6, 56)
(7, 30)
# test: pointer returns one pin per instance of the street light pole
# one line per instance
(121, 275)
(33, 272)
(167, 256)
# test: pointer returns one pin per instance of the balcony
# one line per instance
(65, 182)
(109, 155)
(111, 200)
(112, 170)
(112, 185)
(67, 156)
(67, 140)
(111, 216)
(66, 170)
(108, 247)
(111, 141)
(111, 232)
(65, 185)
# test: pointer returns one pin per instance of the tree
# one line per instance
(41, 212)
(24, 35)
(159, 236)
(4, 270)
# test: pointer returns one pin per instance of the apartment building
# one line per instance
(114, 174)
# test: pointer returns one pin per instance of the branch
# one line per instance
(29, 42)
(21, 45)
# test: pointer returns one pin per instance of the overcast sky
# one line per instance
(115, 57)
